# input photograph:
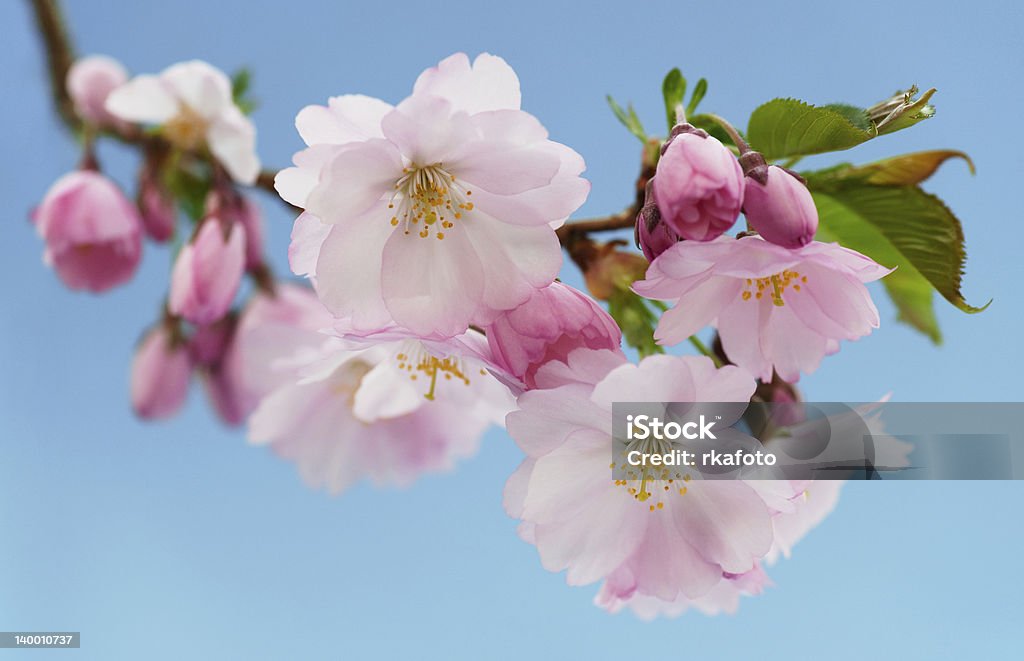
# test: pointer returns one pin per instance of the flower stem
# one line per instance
(703, 349)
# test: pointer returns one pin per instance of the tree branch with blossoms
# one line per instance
(431, 234)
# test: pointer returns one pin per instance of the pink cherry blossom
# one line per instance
(619, 592)
(207, 272)
(698, 186)
(192, 104)
(160, 375)
(342, 410)
(89, 82)
(436, 213)
(93, 233)
(774, 308)
(658, 539)
(547, 326)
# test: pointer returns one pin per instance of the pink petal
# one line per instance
(489, 84)
(432, 286)
(357, 177)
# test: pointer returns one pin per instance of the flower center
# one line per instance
(648, 482)
(187, 129)
(773, 285)
(418, 362)
(349, 377)
(427, 198)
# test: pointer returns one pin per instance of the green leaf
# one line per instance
(628, 118)
(856, 116)
(910, 291)
(699, 90)
(906, 228)
(637, 321)
(784, 128)
(240, 85)
(673, 89)
(904, 170)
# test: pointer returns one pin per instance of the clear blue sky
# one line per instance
(179, 541)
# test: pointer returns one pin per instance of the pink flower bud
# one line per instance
(224, 395)
(698, 186)
(234, 207)
(93, 233)
(89, 81)
(209, 343)
(160, 375)
(159, 212)
(550, 324)
(207, 272)
(653, 234)
(781, 208)
(248, 214)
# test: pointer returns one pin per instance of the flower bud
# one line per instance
(93, 233)
(224, 395)
(781, 209)
(89, 81)
(236, 208)
(550, 324)
(159, 212)
(160, 375)
(610, 271)
(207, 272)
(209, 343)
(653, 234)
(698, 185)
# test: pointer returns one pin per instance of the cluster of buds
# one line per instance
(94, 233)
(700, 187)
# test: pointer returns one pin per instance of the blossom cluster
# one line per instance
(428, 235)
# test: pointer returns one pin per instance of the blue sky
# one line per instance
(178, 540)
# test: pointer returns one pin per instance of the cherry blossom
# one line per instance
(436, 213)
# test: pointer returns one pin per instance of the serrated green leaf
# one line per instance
(673, 89)
(787, 127)
(910, 291)
(784, 128)
(856, 116)
(906, 228)
(699, 90)
(628, 118)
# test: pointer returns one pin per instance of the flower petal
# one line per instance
(143, 99)
(489, 84)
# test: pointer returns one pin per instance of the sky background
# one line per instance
(178, 540)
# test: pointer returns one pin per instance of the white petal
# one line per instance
(232, 139)
(143, 99)
(203, 87)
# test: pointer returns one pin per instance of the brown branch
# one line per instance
(59, 56)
